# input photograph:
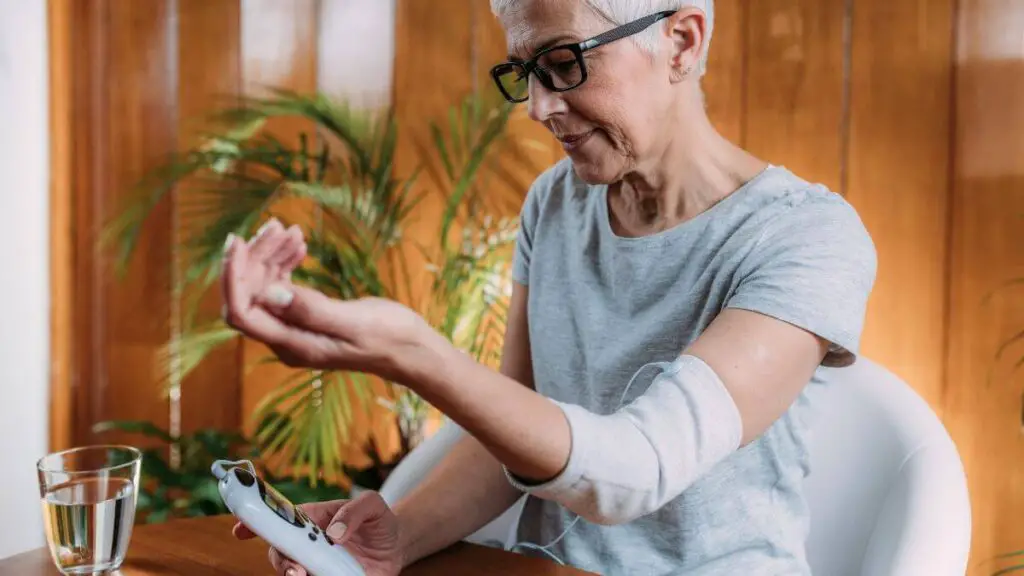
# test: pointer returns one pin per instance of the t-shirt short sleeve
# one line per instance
(528, 218)
(814, 267)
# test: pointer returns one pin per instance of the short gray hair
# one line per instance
(622, 11)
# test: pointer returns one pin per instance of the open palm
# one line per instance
(305, 327)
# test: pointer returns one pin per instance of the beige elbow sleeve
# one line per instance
(632, 462)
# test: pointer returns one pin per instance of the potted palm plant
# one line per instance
(339, 180)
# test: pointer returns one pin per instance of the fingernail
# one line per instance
(265, 226)
(336, 530)
(278, 295)
(291, 572)
(229, 243)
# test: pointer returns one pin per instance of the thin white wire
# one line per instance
(545, 548)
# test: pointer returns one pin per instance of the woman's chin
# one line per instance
(594, 170)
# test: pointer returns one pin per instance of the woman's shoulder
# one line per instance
(799, 210)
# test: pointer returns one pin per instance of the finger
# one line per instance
(237, 296)
(285, 253)
(257, 323)
(366, 507)
(229, 246)
(284, 565)
(310, 309)
(321, 513)
(251, 320)
(292, 569)
(276, 560)
(296, 260)
(242, 532)
(267, 241)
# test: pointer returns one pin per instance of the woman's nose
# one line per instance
(543, 104)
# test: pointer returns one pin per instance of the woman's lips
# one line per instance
(571, 142)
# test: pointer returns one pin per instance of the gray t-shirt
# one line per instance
(601, 306)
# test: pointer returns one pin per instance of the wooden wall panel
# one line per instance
(529, 148)
(86, 56)
(278, 50)
(434, 69)
(356, 51)
(857, 95)
(984, 416)
(62, 244)
(132, 128)
(795, 85)
(209, 77)
(724, 83)
(900, 138)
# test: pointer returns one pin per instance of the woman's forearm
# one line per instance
(468, 480)
(522, 429)
(610, 468)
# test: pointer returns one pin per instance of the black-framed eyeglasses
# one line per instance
(562, 68)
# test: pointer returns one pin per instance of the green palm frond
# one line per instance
(312, 414)
(183, 356)
(341, 165)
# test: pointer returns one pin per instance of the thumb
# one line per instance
(303, 307)
(349, 518)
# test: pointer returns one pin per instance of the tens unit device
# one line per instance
(286, 527)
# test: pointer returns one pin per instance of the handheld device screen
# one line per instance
(280, 505)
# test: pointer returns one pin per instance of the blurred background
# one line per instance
(137, 133)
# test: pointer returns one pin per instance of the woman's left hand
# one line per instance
(306, 328)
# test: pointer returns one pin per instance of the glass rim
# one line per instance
(135, 452)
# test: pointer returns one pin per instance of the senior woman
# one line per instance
(656, 244)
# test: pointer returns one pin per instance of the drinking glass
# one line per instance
(88, 497)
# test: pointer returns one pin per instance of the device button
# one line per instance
(245, 477)
(312, 536)
(328, 539)
(316, 530)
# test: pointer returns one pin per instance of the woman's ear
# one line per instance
(685, 29)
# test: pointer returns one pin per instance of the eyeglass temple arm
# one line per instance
(634, 27)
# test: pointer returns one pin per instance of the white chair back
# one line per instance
(887, 490)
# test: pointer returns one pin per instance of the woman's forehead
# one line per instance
(532, 25)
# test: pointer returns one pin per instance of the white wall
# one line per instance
(24, 269)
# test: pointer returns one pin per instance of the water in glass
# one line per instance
(88, 498)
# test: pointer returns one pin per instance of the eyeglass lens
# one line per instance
(558, 69)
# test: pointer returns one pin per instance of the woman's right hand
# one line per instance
(365, 526)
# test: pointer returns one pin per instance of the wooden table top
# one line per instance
(205, 547)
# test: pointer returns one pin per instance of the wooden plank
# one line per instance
(898, 179)
(983, 415)
(435, 52)
(278, 50)
(279, 45)
(123, 126)
(529, 148)
(794, 86)
(356, 52)
(209, 77)
(86, 148)
(62, 333)
(723, 82)
(433, 40)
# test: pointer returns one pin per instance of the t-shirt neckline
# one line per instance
(682, 228)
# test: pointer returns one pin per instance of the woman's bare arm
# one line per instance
(467, 489)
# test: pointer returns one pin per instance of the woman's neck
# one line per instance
(695, 172)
